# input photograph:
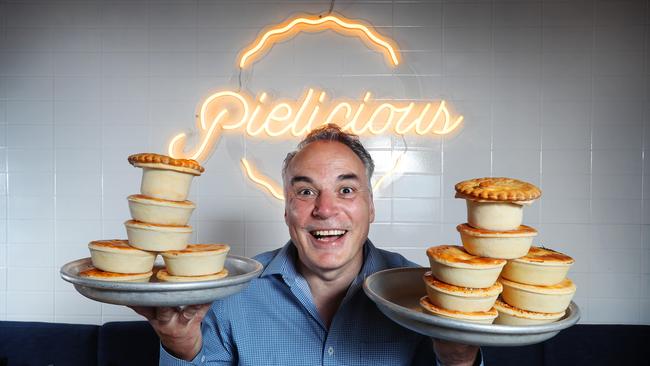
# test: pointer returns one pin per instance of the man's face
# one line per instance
(328, 207)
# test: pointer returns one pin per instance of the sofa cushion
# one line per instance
(35, 343)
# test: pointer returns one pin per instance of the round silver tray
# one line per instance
(397, 293)
(241, 271)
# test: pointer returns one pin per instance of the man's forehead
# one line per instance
(326, 154)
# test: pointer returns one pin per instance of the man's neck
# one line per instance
(329, 289)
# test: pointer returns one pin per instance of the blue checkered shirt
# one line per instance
(274, 321)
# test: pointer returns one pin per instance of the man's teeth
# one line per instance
(328, 232)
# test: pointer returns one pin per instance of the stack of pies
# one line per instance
(159, 224)
(535, 288)
(460, 285)
(464, 282)
(494, 216)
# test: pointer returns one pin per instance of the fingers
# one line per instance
(194, 312)
(165, 314)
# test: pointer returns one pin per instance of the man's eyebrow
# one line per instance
(301, 178)
(349, 176)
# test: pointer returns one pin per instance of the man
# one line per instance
(308, 307)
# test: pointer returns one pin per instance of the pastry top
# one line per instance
(157, 227)
(164, 276)
(545, 256)
(467, 315)
(563, 288)
(498, 189)
(116, 246)
(446, 288)
(455, 256)
(98, 274)
(159, 201)
(157, 161)
(504, 307)
(521, 231)
(198, 249)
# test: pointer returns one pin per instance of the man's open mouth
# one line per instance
(328, 235)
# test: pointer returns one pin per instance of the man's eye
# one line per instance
(306, 192)
(346, 190)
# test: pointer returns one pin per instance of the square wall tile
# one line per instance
(29, 279)
(623, 236)
(30, 305)
(614, 311)
(416, 210)
(30, 255)
(564, 211)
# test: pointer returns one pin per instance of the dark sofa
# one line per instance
(135, 343)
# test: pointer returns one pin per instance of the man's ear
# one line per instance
(371, 217)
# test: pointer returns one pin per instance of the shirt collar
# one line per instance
(284, 263)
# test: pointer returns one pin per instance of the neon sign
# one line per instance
(262, 117)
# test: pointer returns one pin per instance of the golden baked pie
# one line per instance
(118, 256)
(157, 238)
(157, 161)
(453, 265)
(497, 244)
(164, 276)
(165, 177)
(498, 189)
(483, 317)
(544, 299)
(99, 275)
(158, 211)
(196, 259)
(510, 315)
(458, 298)
(541, 266)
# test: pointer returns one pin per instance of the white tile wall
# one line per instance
(552, 92)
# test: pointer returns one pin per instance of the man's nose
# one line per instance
(325, 205)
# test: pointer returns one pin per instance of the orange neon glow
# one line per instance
(229, 110)
(316, 23)
(266, 183)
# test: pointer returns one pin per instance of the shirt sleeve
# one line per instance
(216, 348)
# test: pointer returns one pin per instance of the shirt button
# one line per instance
(202, 359)
(330, 351)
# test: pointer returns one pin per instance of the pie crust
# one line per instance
(497, 244)
(157, 161)
(544, 299)
(541, 266)
(196, 259)
(157, 238)
(498, 189)
(510, 315)
(117, 256)
(99, 275)
(163, 275)
(457, 298)
(483, 317)
(158, 211)
(453, 265)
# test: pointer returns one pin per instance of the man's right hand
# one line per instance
(179, 329)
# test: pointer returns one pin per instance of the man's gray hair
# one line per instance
(332, 132)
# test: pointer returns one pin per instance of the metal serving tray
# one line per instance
(397, 293)
(241, 271)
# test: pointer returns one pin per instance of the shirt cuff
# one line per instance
(166, 359)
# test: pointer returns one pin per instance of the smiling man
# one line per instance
(308, 307)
